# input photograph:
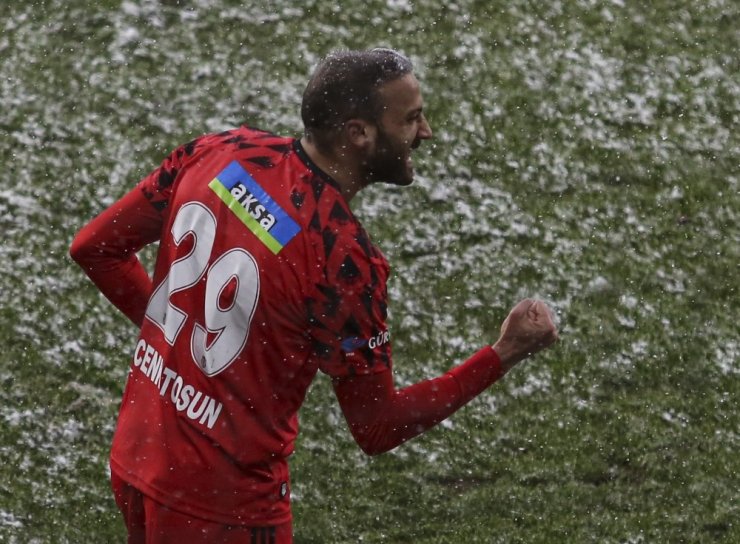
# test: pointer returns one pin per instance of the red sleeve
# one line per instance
(381, 417)
(106, 249)
(348, 313)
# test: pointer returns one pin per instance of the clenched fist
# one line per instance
(527, 329)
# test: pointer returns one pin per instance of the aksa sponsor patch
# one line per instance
(254, 207)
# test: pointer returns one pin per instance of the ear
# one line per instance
(359, 133)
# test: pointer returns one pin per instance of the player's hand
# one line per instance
(527, 329)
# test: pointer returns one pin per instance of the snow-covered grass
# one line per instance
(586, 152)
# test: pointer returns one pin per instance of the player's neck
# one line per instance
(339, 166)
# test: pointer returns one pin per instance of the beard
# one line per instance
(390, 162)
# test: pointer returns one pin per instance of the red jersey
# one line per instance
(263, 276)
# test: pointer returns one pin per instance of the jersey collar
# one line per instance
(298, 148)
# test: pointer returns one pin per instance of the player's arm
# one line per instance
(381, 417)
(106, 247)
(106, 250)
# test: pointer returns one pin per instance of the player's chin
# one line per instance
(402, 174)
(408, 179)
(403, 180)
(405, 175)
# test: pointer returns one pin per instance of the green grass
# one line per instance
(585, 152)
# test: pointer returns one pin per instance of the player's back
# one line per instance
(225, 356)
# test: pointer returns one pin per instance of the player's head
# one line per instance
(371, 99)
(345, 86)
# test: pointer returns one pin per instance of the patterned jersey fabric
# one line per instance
(263, 276)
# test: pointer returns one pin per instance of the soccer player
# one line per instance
(263, 277)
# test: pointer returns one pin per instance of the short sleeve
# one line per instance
(349, 310)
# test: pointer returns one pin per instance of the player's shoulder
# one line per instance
(260, 147)
(349, 254)
(337, 234)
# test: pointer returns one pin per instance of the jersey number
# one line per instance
(235, 270)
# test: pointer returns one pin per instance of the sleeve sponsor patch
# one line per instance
(352, 343)
(254, 207)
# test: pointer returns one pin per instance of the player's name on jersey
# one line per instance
(185, 398)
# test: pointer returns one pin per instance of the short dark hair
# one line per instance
(345, 86)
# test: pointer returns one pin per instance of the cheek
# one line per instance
(413, 133)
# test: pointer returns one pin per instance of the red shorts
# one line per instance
(149, 522)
